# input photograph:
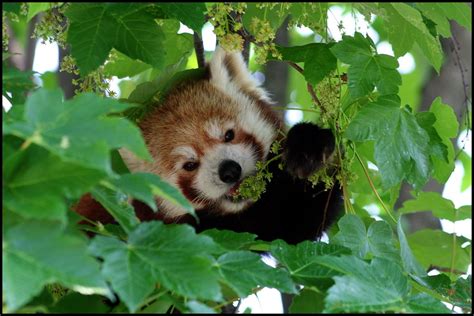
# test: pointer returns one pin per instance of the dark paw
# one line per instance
(307, 148)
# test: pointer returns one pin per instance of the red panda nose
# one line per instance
(229, 171)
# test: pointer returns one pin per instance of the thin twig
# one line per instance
(308, 85)
(373, 187)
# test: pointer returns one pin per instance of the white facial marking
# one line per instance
(186, 151)
(208, 180)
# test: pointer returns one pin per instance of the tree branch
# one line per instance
(308, 85)
(199, 47)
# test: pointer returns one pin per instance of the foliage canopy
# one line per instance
(56, 150)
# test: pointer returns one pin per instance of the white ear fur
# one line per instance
(228, 70)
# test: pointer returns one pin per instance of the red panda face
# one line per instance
(207, 136)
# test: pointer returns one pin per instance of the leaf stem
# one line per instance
(308, 85)
(373, 187)
(430, 292)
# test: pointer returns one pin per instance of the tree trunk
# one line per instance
(276, 72)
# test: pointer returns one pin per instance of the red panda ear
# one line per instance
(228, 70)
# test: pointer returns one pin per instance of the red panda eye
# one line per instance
(190, 165)
(229, 135)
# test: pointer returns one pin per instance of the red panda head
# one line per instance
(207, 136)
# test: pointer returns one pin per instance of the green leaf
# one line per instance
(307, 302)
(172, 255)
(123, 66)
(318, 60)
(118, 165)
(38, 253)
(301, 260)
(441, 13)
(404, 157)
(35, 8)
(36, 183)
(78, 130)
(89, 34)
(139, 37)
(243, 271)
(466, 161)
(183, 44)
(191, 14)
(274, 15)
(462, 295)
(150, 93)
(435, 247)
(117, 205)
(18, 83)
(377, 241)
(376, 287)
(49, 80)
(231, 240)
(97, 28)
(405, 27)
(367, 69)
(409, 261)
(438, 148)
(447, 127)
(434, 202)
(199, 308)
(11, 7)
(423, 303)
(145, 186)
(77, 303)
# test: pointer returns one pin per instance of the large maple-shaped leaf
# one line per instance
(441, 12)
(318, 60)
(401, 144)
(377, 240)
(405, 27)
(36, 183)
(172, 255)
(243, 271)
(38, 253)
(300, 260)
(446, 126)
(439, 206)
(367, 68)
(145, 186)
(97, 28)
(78, 130)
(380, 286)
(190, 14)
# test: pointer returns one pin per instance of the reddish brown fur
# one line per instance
(184, 107)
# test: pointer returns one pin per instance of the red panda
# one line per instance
(207, 136)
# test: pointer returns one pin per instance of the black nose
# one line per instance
(229, 171)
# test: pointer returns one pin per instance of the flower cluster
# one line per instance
(52, 26)
(220, 17)
(254, 186)
(96, 81)
(264, 36)
(313, 15)
(329, 93)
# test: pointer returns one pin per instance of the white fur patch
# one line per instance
(216, 129)
(186, 151)
(242, 79)
(249, 118)
(208, 180)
